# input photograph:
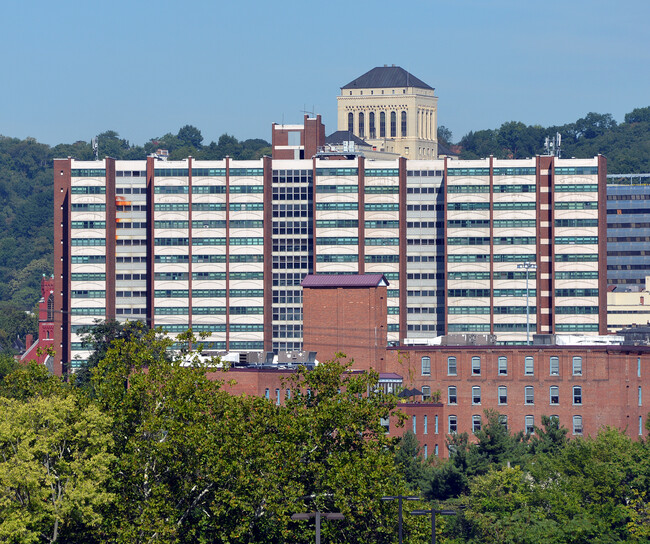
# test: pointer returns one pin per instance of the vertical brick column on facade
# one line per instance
(62, 178)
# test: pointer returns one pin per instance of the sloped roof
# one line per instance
(344, 280)
(386, 76)
(341, 136)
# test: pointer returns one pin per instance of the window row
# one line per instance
(529, 395)
(502, 366)
(529, 423)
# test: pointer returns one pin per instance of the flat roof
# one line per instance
(344, 280)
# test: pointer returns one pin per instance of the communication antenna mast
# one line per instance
(95, 145)
(552, 145)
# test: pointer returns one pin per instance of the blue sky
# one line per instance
(74, 69)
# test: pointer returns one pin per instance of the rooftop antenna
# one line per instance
(552, 145)
(313, 113)
(95, 144)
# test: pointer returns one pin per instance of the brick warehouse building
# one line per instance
(223, 246)
(586, 387)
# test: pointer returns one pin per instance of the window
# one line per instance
(554, 394)
(435, 424)
(503, 366)
(267, 394)
(426, 451)
(287, 394)
(277, 397)
(452, 395)
(385, 423)
(640, 397)
(371, 124)
(415, 430)
(351, 122)
(426, 392)
(476, 423)
(426, 425)
(529, 424)
(554, 366)
(529, 395)
(453, 424)
(393, 124)
(426, 366)
(577, 424)
(529, 366)
(476, 395)
(451, 366)
(577, 395)
(638, 367)
(382, 124)
(435, 449)
(362, 127)
(577, 366)
(476, 366)
(640, 426)
(403, 124)
(503, 419)
(50, 308)
(503, 394)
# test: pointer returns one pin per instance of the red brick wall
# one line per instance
(609, 383)
(348, 320)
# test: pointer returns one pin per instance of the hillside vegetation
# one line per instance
(26, 215)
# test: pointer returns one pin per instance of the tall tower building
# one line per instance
(393, 111)
(223, 246)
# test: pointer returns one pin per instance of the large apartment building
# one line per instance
(222, 246)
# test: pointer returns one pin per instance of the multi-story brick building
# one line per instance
(223, 246)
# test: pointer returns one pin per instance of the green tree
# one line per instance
(410, 461)
(55, 462)
(551, 438)
(444, 135)
(190, 136)
(638, 115)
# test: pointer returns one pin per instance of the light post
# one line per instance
(400, 498)
(527, 266)
(433, 513)
(317, 515)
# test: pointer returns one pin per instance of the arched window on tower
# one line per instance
(362, 127)
(351, 122)
(50, 307)
(393, 124)
(403, 124)
(382, 124)
(371, 124)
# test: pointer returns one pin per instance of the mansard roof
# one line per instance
(386, 76)
(341, 136)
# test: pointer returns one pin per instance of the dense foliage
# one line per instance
(537, 488)
(26, 181)
(155, 449)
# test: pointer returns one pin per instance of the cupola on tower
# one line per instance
(393, 111)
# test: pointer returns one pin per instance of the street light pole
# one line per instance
(317, 514)
(528, 266)
(399, 502)
(433, 513)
